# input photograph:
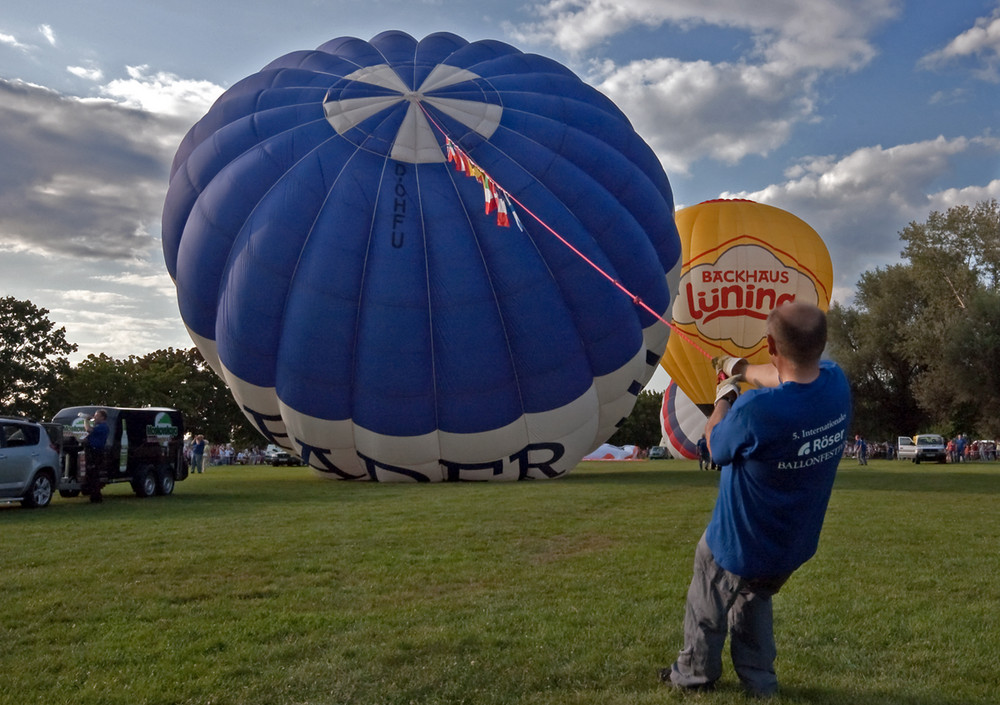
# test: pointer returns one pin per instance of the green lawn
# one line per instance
(266, 585)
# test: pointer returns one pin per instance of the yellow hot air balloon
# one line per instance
(739, 260)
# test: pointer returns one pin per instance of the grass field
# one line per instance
(266, 585)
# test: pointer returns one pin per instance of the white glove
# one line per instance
(729, 387)
(726, 363)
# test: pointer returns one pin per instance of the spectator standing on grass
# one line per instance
(779, 447)
(198, 454)
(704, 460)
(861, 450)
(960, 444)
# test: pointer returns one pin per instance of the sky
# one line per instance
(858, 116)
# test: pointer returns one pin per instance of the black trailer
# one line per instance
(145, 447)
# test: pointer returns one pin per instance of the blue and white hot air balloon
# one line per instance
(367, 313)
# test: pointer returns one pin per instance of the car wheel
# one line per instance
(39, 492)
(165, 485)
(144, 483)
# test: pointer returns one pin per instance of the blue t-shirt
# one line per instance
(779, 449)
(98, 436)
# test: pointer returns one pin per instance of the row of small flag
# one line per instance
(495, 197)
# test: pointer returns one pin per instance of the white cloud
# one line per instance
(11, 41)
(968, 195)
(689, 110)
(789, 34)
(103, 298)
(158, 282)
(82, 179)
(114, 330)
(685, 110)
(163, 93)
(46, 31)
(89, 73)
(80, 202)
(858, 203)
(981, 42)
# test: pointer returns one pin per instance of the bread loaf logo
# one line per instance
(162, 428)
(744, 284)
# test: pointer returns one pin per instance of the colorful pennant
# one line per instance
(495, 198)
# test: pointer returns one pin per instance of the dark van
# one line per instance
(145, 447)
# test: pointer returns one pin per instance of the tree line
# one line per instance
(920, 344)
(37, 379)
(921, 341)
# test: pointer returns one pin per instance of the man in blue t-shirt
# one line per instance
(96, 455)
(779, 446)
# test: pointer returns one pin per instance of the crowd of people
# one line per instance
(209, 454)
(960, 449)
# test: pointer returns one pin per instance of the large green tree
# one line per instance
(642, 427)
(869, 340)
(101, 380)
(955, 257)
(920, 342)
(33, 358)
(961, 387)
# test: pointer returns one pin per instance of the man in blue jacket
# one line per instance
(96, 453)
(779, 446)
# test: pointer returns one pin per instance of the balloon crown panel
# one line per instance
(363, 242)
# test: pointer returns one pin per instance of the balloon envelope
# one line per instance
(606, 451)
(682, 423)
(740, 260)
(368, 308)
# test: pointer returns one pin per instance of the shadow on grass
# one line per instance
(861, 697)
(664, 478)
(919, 481)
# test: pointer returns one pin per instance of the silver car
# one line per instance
(29, 461)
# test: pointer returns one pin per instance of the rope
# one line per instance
(636, 300)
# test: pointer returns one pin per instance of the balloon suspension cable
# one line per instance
(492, 189)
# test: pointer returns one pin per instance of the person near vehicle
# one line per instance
(779, 447)
(960, 443)
(95, 453)
(198, 454)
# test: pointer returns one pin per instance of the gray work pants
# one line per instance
(719, 601)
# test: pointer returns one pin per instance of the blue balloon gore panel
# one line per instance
(399, 254)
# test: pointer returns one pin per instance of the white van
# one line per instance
(924, 446)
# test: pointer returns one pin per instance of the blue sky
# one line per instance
(859, 116)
